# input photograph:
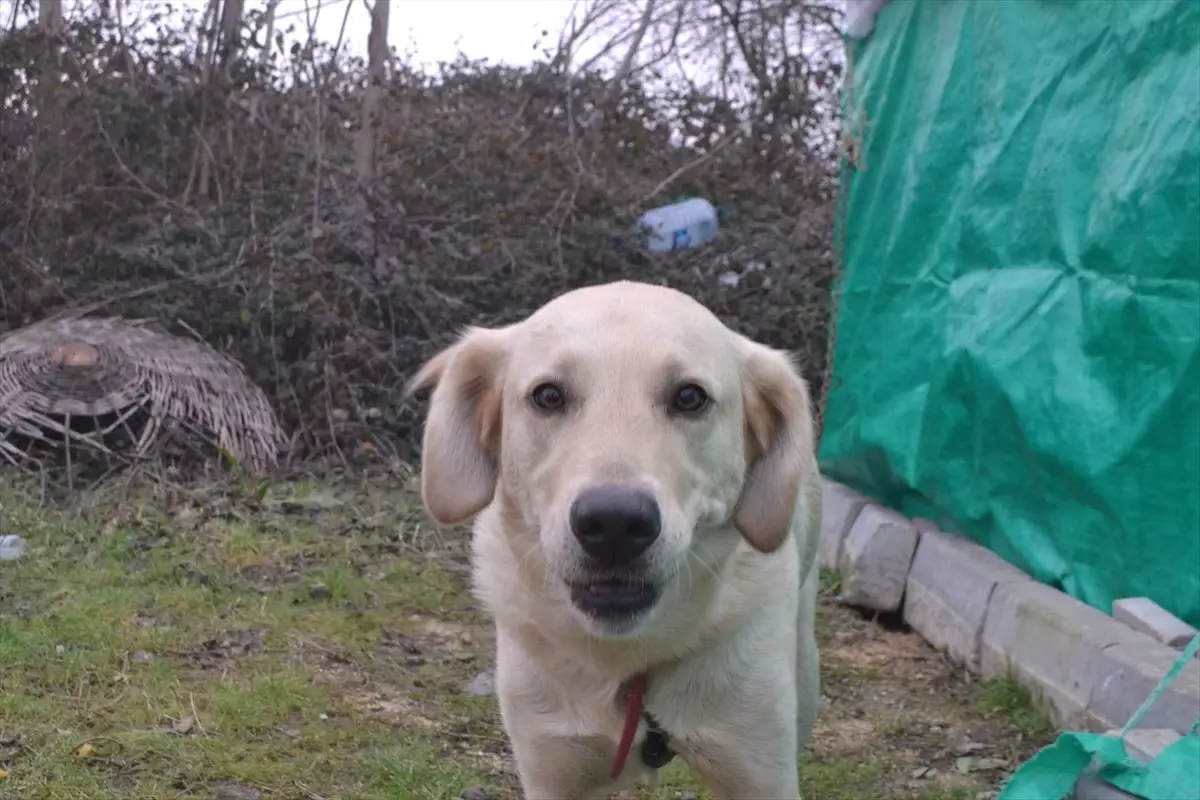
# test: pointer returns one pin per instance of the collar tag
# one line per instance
(656, 749)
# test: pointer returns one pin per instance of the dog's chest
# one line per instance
(673, 709)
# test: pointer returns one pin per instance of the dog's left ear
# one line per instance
(779, 445)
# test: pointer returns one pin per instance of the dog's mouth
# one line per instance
(614, 598)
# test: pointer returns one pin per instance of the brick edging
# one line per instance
(1088, 670)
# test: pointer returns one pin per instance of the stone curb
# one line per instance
(876, 556)
(1147, 616)
(950, 586)
(839, 509)
(1088, 670)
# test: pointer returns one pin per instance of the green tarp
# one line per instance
(1018, 351)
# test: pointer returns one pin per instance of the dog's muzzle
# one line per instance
(615, 525)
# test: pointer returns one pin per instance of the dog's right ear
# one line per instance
(461, 447)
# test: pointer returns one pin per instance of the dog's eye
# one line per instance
(689, 399)
(548, 397)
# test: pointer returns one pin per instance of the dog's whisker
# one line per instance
(700, 551)
(687, 563)
(544, 589)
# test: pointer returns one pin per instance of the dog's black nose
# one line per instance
(615, 524)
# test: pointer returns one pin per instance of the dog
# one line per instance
(646, 508)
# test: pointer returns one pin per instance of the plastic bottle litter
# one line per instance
(679, 226)
(11, 547)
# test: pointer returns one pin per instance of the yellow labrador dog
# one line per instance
(646, 505)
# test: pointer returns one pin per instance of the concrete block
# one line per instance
(1051, 643)
(924, 525)
(1125, 673)
(1145, 615)
(840, 506)
(875, 559)
(949, 585)
(1089, 788)
(1146, 744)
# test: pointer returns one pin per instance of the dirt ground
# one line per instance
(318, 641)
(915, 725)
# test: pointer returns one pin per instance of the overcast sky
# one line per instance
(433, 30)
(500, 31)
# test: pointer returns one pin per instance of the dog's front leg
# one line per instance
(766, 775)
(750, 759)
(562, 769)
(558, 754)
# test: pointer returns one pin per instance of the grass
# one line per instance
(224, 647)
(1007, 697)
(301, 641)
(830, 583)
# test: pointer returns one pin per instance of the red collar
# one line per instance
(634, 706)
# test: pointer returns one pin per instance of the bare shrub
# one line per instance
(227, 201)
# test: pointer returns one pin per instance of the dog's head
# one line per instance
(622, 428)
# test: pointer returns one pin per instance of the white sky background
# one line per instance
(501, 31)
(421, 32)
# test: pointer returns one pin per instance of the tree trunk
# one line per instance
(231, 33)
(48, 161)
(373, 97)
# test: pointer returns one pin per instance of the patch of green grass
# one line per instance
(942, 793)
(852, 778)
(830, 582)
(1006, 696)
(900, 727)
(848, 778)
(676, 779)
(229, 644)
(417, 773)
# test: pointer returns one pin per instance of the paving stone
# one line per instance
(875, 559)
(1052, 644)
(1145, 615)
(1146, 744)
(924, 525)
(840, 506)
(1089, 788)
(1124, 674)
(949, 586)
